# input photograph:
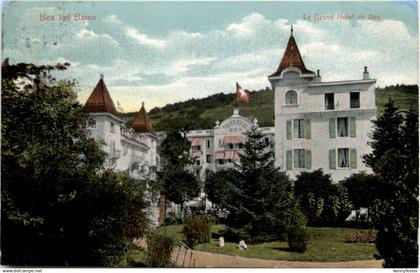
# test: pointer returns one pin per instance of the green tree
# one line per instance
(363, 189)
(219, 188)
(178, 183)
(386, 135)
(396, 164)
(322, 202)
(59, 207)
(259, 197)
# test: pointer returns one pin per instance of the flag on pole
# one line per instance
(241, 94)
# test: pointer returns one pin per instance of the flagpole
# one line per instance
(236, 96)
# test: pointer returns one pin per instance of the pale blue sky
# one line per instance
(163, 52)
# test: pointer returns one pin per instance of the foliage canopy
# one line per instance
(394, 159)
(257, 195)
(59, 206)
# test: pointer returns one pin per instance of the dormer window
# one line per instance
(291, 97)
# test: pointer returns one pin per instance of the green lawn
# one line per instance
(324, 245)
(175, 231)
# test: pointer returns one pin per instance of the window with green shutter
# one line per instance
(289, 129)
(307, 128)
(332, 128)
(332, 159)
(352, 127)
(353, 158)
(289, 159)
(308, 159)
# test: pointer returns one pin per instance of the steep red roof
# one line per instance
(291, 58)
(100, 100)
(141, 123)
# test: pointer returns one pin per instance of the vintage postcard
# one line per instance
(209, 134)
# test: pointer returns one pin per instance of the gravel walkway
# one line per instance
(194, 258)
(207, 259)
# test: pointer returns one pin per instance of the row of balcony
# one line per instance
(114, 153)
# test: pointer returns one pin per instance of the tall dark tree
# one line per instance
(386, 135)
(410, 141)
(58, 206)
(219, 187)
(396, 164)
(258, 196)
(363, 189)
(178, 183)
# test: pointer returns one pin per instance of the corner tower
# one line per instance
(144, 132)
(104, 123)
(291, 60)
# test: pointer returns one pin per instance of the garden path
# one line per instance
(207, 259)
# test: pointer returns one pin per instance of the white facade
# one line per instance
(321, 125)
(218, 148)
(126, 150)
(130, 150)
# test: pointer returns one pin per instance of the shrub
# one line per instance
(297, 238)
(364, 188)
(197, 230)
(159, 250)
(361, 237)
(322, 202)
(172, 219)
(295, 218)
(236, 234)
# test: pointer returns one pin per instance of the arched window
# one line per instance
(291, 97)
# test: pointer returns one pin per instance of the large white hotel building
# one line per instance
(318, 125)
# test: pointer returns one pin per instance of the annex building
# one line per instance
(220, 147)
(132, 150)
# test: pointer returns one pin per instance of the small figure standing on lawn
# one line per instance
(221, 242)
(242, 245)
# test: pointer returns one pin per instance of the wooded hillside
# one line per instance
(219, 106)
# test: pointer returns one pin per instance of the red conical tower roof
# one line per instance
(100, 100)
(291, 58)
(141, 123)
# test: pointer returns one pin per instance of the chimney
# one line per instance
(318, 76)
(366, 74)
